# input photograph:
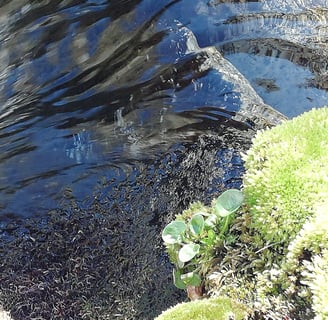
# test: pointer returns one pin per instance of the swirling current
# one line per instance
(114, 115)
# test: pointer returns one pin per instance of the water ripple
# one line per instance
(91, 84)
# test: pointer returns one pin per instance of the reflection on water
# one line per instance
(86, 84)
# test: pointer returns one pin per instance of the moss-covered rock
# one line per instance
(307, 262)
(279, 264)
(286, 187)
(286, 175)
(206, 309)
(311, 240)
(316, 277)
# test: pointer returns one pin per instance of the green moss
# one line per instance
(286, 174)
(316, 277)
(307, 258)
(193, 208)
(206, 309)
(277, 264)
(311, 240)
(283, 242)
(286, 187)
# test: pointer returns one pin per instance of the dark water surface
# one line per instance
(85, 85)
(116, 114)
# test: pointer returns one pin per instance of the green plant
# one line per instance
(192, 238)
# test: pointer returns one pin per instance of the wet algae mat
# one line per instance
(105, 259)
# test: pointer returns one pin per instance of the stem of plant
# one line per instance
(225, 226)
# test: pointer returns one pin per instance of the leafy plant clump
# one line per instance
(193, 237)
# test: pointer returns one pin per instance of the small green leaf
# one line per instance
(211, 234)
(173, 232)
(203, 213)
(210, 239)
(206, 241)
(228, 202)
(191, 279)
(188, 251)
(197, 224)
(177, 279)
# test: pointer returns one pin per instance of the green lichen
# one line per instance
(206, 309)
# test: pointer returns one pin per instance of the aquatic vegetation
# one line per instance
(167, 122)
(209, 309)
(193, 237)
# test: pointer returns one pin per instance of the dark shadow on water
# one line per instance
(104, 259)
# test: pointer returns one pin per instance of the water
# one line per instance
(83, 84)
(144, 105)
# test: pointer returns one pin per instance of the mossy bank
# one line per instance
(278, 261)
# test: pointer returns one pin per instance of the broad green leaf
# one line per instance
(188, 251)
(228, 202)
(177, 279)
(211, 221)
(197, 224)
(191, 279)
(173, 232)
